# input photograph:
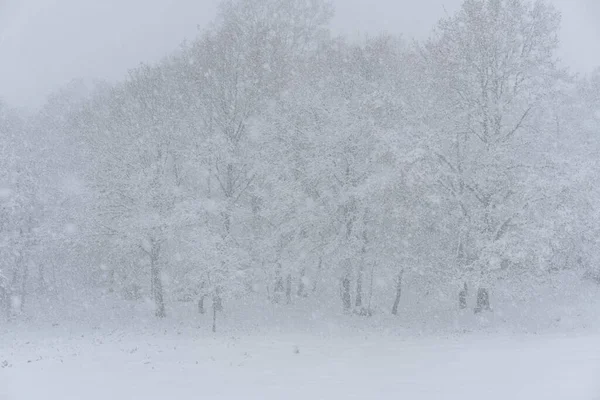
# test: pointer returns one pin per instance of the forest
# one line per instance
(269, 163)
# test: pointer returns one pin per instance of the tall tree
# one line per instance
(494, 67)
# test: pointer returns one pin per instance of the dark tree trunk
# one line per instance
(8, 304)
(288, 289)
(359, 288)
(483, 300)
(217, 306)
(111, 282)
(227, 221)
(346, 298)
(5, 300)
(24, 287)
(398, 293)
(201, 305)
(214, 324)
(462, 297)
(201, 300)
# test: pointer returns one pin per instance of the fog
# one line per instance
(46, 43)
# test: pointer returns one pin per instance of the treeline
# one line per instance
(269, 156)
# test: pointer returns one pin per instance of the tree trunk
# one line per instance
(483, 300)
(371, 286)
(5, 300)
(398, 293)
(227, 220)
(318, 274)
(359, 288)
(214, 324)
(156, 283)
(8, 304)
(279, 288)
(24, 287)
(288, 289)
(201, 305)
(462, 297)
(346, 298)
(359, 277)
(201, 300)
(301, 286)
(111, 283)
(217, 306)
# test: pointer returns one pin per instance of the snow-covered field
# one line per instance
(166, 364)
(109, 349)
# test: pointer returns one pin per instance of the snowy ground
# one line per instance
(170, 365)
(111, 349)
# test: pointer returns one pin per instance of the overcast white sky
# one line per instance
(46, 43)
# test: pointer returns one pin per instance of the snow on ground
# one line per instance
(110, 349)
(167, 364)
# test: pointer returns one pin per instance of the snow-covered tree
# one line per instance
(494, 68)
